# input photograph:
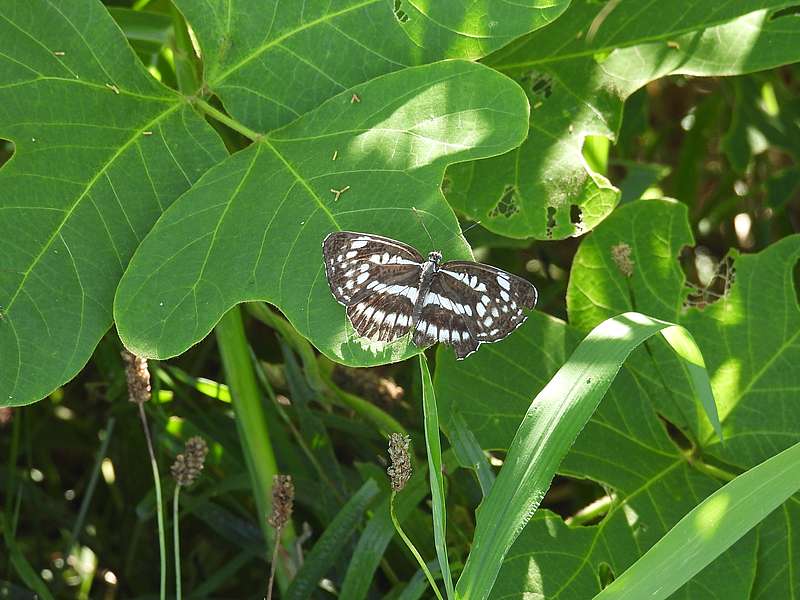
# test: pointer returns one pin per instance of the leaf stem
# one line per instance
(707, 469)
(271, 583)
(176, 540)
(162, 542)
(413, 549)
(226, 120)
(251, 423)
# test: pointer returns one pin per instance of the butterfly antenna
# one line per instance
(422, 222)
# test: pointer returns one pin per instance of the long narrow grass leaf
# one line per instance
(434, 446)
(709, 529)
(549, 428)
(327, 551)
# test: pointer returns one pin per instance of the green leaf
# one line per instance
(433, 446)
(101, 149)
(548, 429)
(271, 62)
(252, 227)
(327, 551)
(750, 337)
(709, 529)
(577, 73)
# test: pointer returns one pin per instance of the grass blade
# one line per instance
(328, 548)
(549, 428)
(709, 529)
(434, 444)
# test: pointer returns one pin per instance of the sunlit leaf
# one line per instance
(101, 149)
(747, 325)
(577, 73)
(272, 61)
(252, 228)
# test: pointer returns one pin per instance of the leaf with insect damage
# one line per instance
(577, 73)
(271, 61)
(746, 320)
(101, 148)
(252, 228)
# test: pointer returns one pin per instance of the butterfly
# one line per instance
(389, 289)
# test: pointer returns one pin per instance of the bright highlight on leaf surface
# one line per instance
(101, 150)
(577, 84)
(252, 228)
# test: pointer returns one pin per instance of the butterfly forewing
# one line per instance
(376, 278)
(478, 301)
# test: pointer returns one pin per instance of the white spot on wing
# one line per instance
(503, 282)
(358, 244)
(362, 278)
(481, 310)
(504, 295)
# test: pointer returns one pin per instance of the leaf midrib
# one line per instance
(292, 32)
(89, 186)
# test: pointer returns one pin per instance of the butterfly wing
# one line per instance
(376, 278)
(470, 303)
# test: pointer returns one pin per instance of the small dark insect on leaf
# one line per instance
(389, 290)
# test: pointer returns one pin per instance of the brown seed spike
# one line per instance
(282, 500)
(400, 470)
(138, 377)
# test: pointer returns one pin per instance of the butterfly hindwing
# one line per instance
(484, 302)
(376, 278)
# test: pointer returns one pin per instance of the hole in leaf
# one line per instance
(7, 150)
(707, 280)
(551, 220)
(578, 501)
(508, 204)
(675, 434)
(539, 85)
(605, 574)
(399, 13)
(789, 11)
(576, 218)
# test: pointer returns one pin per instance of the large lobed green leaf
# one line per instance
(548, 429)
(625, 447)
(709, 529)
(750, 339)
(578, 72)
(272, 61)
(101, 149)
(252, 227)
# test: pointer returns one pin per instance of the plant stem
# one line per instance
(413, 549)
(251, 422)
(710, 470)
(225, 119)
(162, 542)
(176, 540)
(271, 583)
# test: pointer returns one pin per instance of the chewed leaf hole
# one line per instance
(538, 84)
(508, 205)
(789, 11)
(551, 220)
(708, 281)
(7, 150)
(399, 13)
(605, 575)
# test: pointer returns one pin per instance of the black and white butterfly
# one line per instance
(389, 289)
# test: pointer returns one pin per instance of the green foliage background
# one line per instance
(145, 192)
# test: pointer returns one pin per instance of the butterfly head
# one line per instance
(435, 257)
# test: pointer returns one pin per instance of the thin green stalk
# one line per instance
(413, 549)
(226, 120)
(176, 539)
(271, 582)
(162, 538)
(87, 497)
(251, 422)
